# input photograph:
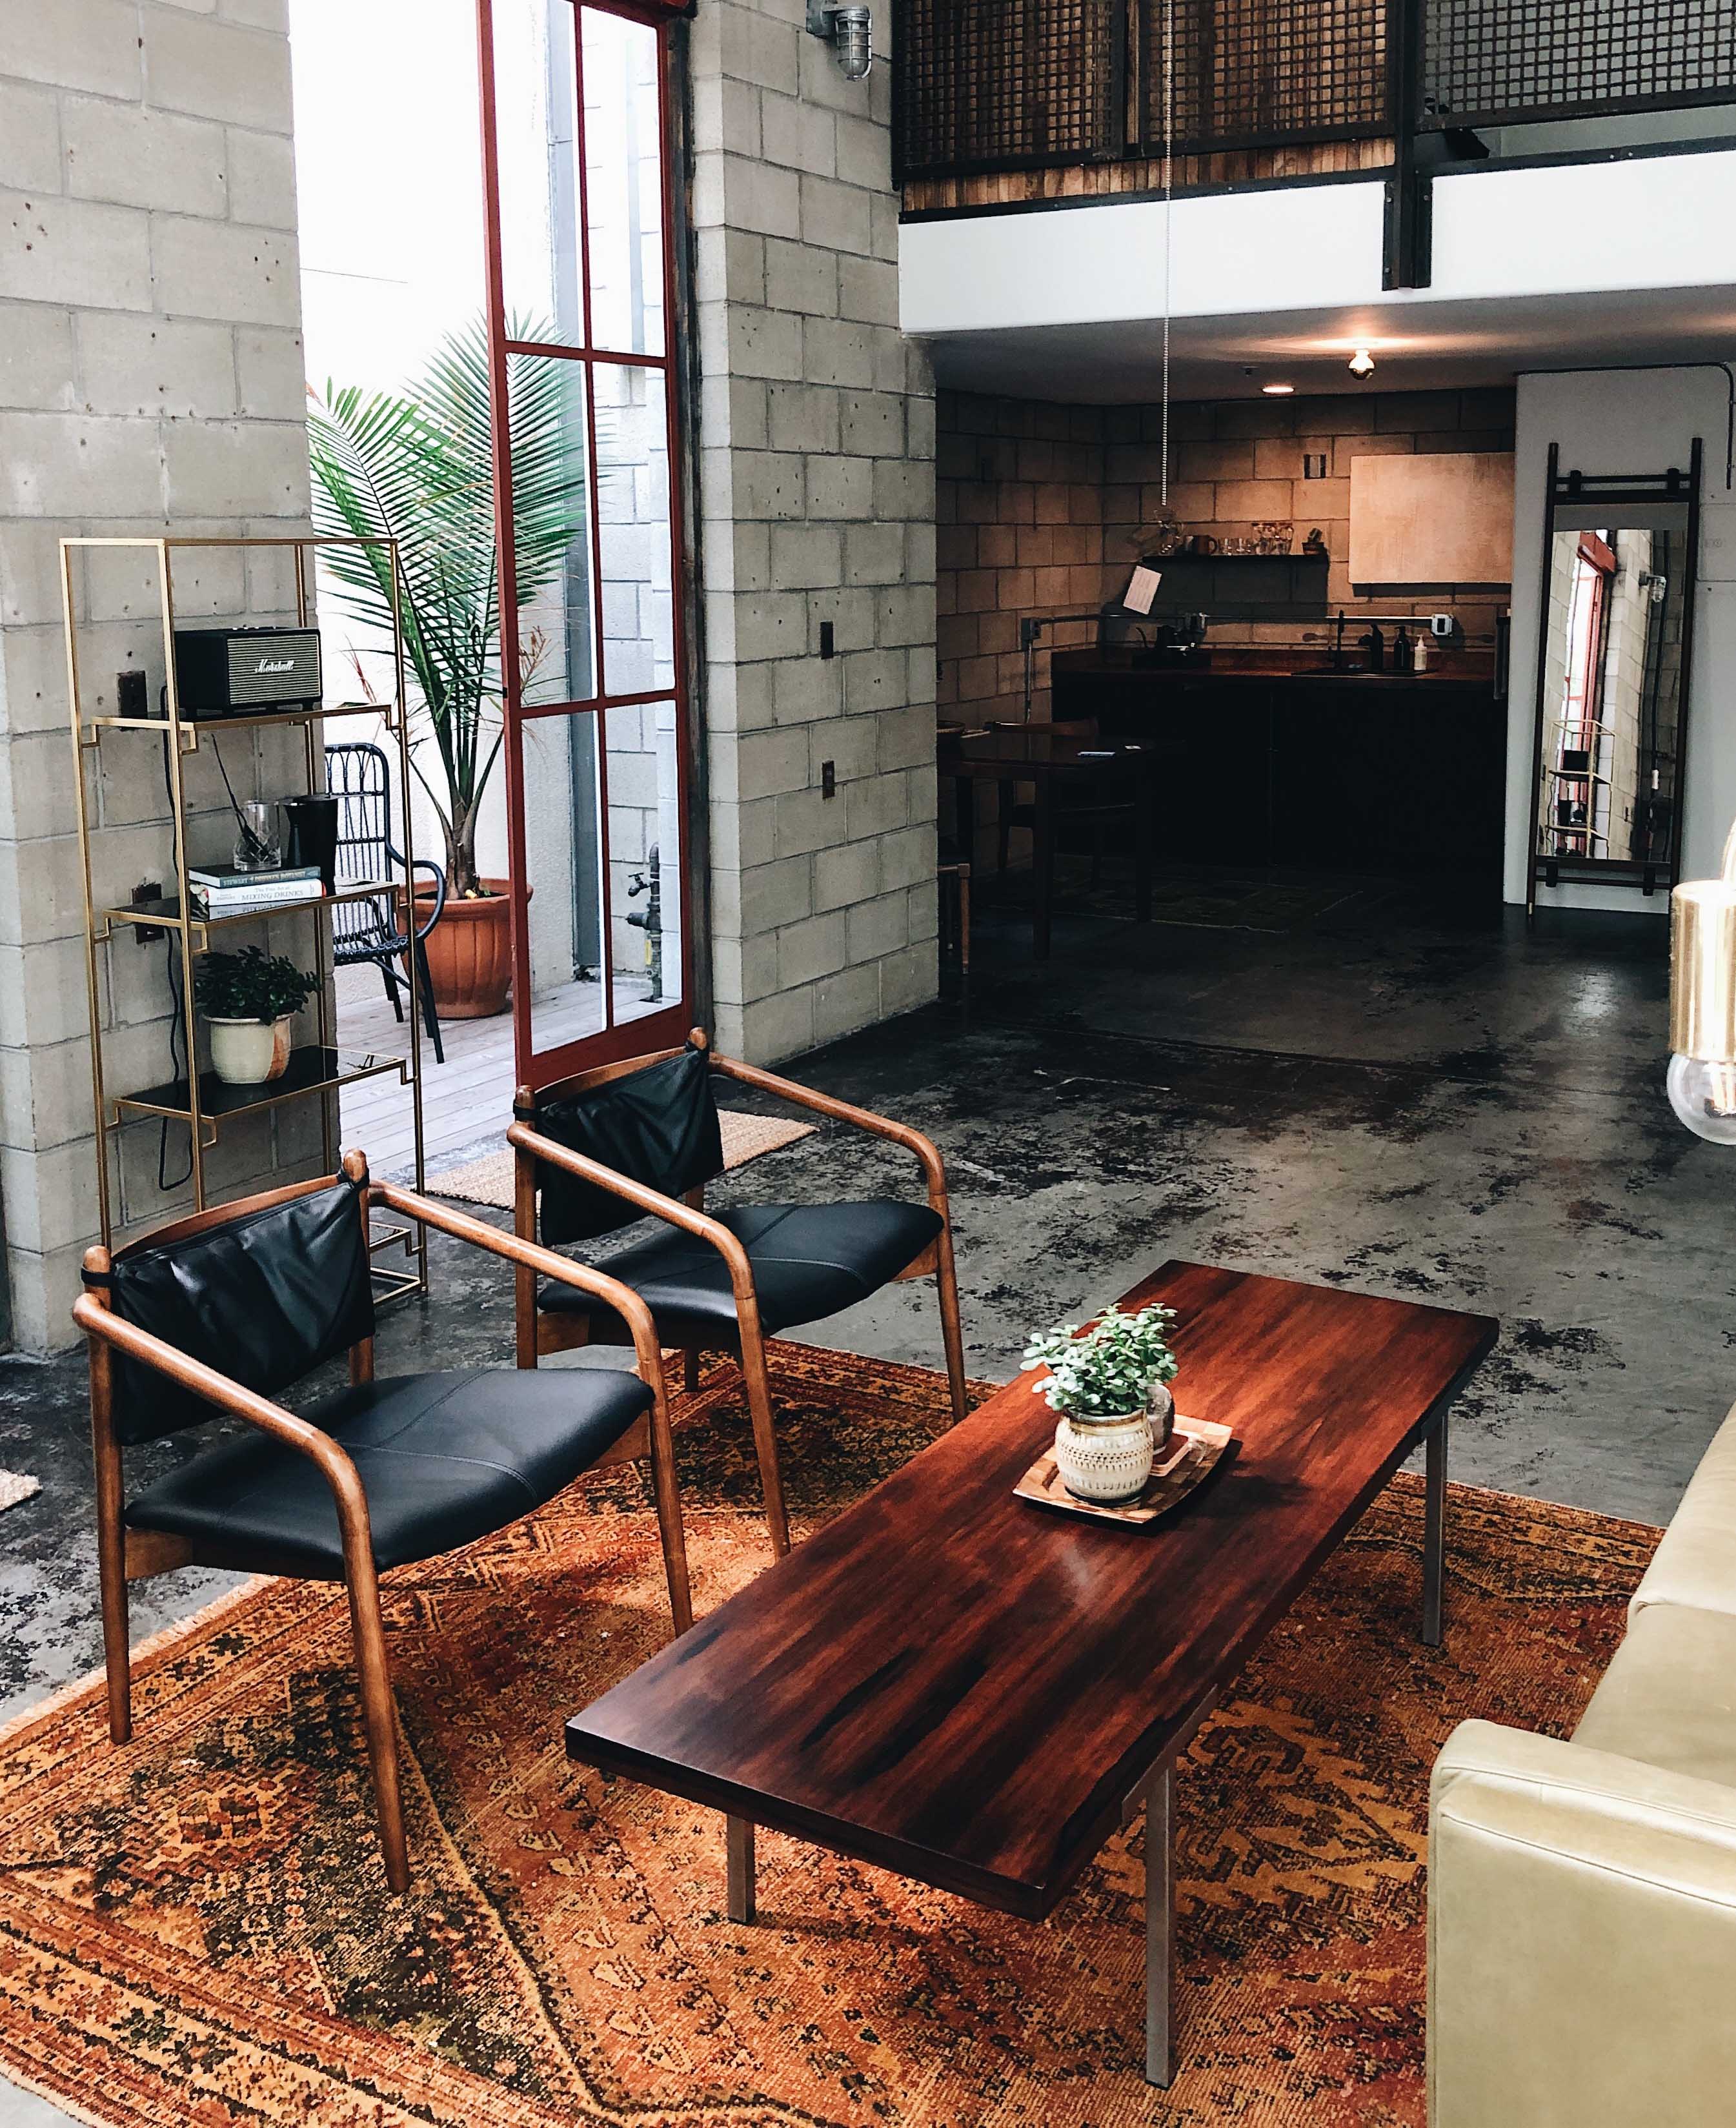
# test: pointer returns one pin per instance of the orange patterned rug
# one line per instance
(194, 1930)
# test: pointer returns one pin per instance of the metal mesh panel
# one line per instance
(1007, 84)
(1253, 71)
(1495, 61)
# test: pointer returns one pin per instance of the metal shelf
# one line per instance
(315, 1069)
(164, 914)
(251, 722)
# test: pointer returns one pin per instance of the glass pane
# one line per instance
(563, 863)
(624, 185)
(551, 515)
(633, 516)
(537, 146)
(644, 860)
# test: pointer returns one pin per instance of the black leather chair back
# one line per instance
(659, 1126)
(264, 1299)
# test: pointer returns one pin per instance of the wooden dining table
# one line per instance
(1049, 762)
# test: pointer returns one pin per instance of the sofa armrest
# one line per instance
(1581, 1938)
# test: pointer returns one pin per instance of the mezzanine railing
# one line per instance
(997, 85)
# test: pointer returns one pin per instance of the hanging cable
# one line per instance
(1168, 217)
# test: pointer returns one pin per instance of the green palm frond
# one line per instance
(418, 466)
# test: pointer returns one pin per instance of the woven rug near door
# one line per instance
(489, 1179)
(194, 1930)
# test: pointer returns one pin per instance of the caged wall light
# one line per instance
(850, 32)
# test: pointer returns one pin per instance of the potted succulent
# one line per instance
(248, 1000)
(417, 466)
(1108, 1386)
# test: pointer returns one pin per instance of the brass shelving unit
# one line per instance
(317, 1071)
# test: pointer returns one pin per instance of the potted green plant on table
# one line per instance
(1108, 1384)
(417, 466)
(249, 999)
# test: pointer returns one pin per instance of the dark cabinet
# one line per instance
(1390, 775)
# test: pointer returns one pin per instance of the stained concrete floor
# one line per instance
(1452, 1108)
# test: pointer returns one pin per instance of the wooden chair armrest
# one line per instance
(622, 1299)
(652, 1202)
(927, 1151)
(191, 1374)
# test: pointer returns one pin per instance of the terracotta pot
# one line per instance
(469, 954)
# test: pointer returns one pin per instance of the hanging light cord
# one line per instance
(1169, 216)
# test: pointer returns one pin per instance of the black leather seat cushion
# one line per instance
(809, 1261)
(443, 1459)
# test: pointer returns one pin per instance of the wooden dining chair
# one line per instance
(606, 1146)
(220, 1313)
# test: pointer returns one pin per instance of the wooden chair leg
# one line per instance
(670, 1530)
(379, 1719)
(952, 1328)
(765, 1441)
(117, 1661)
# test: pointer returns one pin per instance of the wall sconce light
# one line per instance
(1314, 465)
(1278, 391)
(1361, 364)
(1701, 1081)
(850, 32)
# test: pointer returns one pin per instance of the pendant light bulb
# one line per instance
(1361, 364)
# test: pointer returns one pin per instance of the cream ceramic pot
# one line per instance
(1109, 1459)
(247, 1052)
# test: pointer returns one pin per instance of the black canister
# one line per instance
(313, 834)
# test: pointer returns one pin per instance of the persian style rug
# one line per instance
(195, 1931)
(489, 1179)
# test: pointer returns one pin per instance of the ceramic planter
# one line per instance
(247, 1052)
(1109, 1459)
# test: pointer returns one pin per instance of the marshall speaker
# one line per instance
(237, 671)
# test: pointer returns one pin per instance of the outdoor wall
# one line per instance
(1043, 509)
(151, 379)
(817, 505)
(1630, 421)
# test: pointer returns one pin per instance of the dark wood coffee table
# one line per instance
(974, 1691)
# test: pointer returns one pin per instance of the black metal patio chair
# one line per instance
(358, 775)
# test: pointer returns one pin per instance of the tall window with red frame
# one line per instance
(586, 427)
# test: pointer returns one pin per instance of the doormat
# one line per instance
(489, 1181)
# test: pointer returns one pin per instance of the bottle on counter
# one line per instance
(1420, 654)
(1401, 649)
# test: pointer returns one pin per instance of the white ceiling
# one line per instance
(1418, 344)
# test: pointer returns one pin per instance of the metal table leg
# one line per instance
(738, 1839)
(1435, 1534)
(1160, 1924)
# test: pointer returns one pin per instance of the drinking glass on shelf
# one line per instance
(257, 846)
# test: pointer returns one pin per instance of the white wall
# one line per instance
(1628, 422)
(1657, 222)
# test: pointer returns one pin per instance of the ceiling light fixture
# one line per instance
(1361, 364)
(850, 32)
(1278, 391)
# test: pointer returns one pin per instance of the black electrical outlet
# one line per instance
(131, 699)
(829, 779)
(828, 640)
(148, 889)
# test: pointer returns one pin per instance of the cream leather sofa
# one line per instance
(1582, 1895)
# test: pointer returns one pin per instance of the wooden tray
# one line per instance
(1197, 1448)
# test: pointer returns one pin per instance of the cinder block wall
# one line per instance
(1043, 509)
(817, 488)
(150, 380)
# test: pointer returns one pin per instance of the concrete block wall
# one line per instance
(818, 503)
(1043, 509)
(150, 380)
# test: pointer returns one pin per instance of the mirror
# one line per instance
(1620, 559)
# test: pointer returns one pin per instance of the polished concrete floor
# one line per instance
(1448, 1107)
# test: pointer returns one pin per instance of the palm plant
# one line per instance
(417, 466)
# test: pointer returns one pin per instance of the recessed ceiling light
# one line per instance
(1278, 391)
(1361, 364)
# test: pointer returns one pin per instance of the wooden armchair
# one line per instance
(642, 1136)
(220, 1312)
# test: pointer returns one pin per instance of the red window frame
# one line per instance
(659, 1029)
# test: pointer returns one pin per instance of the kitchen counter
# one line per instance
(1272, 760)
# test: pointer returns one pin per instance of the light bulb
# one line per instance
(1361, 364)
(1704, 1097)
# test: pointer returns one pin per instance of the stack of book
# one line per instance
(237, 889)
